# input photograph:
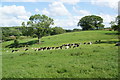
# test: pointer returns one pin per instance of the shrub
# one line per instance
(16, 43)
(34, 36)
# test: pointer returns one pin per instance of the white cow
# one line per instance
(66, 47)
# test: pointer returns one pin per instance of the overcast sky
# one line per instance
(65, 13)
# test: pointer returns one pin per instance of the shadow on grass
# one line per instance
(112, 33)
(26, 44)
(109, 42)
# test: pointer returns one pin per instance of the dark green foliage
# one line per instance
(57, 30)
(116, 24)
(115, 27)
(7, 32)
(69, 30)
(16, 43)
(74, 30)
(34, 35)
(11, 31)
(27, 31)
(91, 22)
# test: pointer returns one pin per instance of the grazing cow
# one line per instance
(72, 44)
(84, 43)
(14, 50)
(77, 45)
(96, 42)
(53, 47)
(57, 47)
(99, 41)
(36, 49)
(61, 47)
(89, 43)
(44, 48)
(26, 49)
(48, 48)
(117, 44)
(66, 47)
(39, 49)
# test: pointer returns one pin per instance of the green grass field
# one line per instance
(86, 61)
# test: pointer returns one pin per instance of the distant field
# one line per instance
(86, 61)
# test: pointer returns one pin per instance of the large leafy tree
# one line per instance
(41, 24)
(91, 22)
(116, 24)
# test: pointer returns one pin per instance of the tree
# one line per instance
(116, 24)
(41, 24)
(112, 23)
(24, 29)
(57, 30)
(91, 22)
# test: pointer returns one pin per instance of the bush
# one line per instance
(57, 30)
(16, 43)
(34, 36)
(74, 30)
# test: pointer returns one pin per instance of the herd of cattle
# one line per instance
(64, 46)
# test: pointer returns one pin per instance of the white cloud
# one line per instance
(58, 9)
(107, 18)
(55, 9)
(37, 10)
(27, 0)
(44, 11)
(19, 0)
(81, 12)
(10, 16)
(109, 3)
(84, 12)
(68, 23)
(73, 2)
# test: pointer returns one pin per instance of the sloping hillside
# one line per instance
(86, 61)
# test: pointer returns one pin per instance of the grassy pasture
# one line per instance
(86, 61)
